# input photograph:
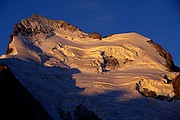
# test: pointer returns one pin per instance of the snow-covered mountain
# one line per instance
(70, 71)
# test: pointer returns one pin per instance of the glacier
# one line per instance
(64, 67)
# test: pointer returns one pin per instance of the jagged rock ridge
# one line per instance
(167, 56)
(38, 24)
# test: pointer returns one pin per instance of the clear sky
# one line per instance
(156, 19)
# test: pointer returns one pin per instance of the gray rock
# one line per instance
(167, 56)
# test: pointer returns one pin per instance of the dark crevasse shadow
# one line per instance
(105, 70)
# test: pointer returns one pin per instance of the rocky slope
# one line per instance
(73, 73)
(167, 56)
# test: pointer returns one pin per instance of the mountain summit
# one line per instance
(37, 24)
(78, 75)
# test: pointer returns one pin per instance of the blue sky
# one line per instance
(156, 19)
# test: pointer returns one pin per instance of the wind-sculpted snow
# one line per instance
(64, 68)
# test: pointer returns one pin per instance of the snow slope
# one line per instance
(64, 67)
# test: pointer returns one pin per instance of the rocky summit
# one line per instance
(54, 70)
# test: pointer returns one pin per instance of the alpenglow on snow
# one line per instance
(78, 75)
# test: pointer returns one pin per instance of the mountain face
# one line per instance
(16, 102)
(78, 75)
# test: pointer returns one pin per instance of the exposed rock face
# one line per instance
(149, 93)
(95, 35)
(176, 86)
(150, 88)
(167, 56)
(16, 101)
(106, 63)
(80, 113)
(68, 26)
(168, 78)
(9, 50)
(38, 24)
(99, 66)
(111, 62)
(34, 25)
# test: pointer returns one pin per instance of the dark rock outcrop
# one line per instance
(67, 26)
(95, 35)
(16, 102)
(167, 56)
(38, 24)
(108, 35)
(127, 60)
(111, 62)
(33, 25)
(8, 49)
(149, 93)
(176, 87)
(80, 113)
